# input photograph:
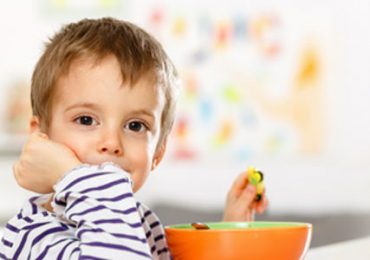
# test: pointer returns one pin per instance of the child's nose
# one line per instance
(111, 144)
(107, 149)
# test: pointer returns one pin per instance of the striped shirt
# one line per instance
(95, 217)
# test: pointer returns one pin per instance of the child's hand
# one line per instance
(42, 163)
(241, 203)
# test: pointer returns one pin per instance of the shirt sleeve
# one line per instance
(155, 234)
(96, 217)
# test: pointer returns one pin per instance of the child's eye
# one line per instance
(85, 120)
(136, 126)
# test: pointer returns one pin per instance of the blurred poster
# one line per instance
(254, 77)
(16, 116)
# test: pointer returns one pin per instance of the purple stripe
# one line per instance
(131, 237)
(61, 253)
(45, 251)
(3, 256)
(34, 225)
(25, 237)
(126, 211)
(66, 197)
(99, 230)
(60, 202)
(116, 221)
(97, 208)
(12, 228)
(147, 213)
(154, 224)
(6, 242)
(77, 249)
(33, 205)
(102, 207)
(28, 219)
(117, 198)
(89, 257)
(81, 223)
(63, 202)
(100, 188)
(118, 247)
(148, 234)
(85, 177)
(114, 199)
(163, 250)
(32, 199)
(159, 237)
(47, 233)
(105, 186)
(72, 225)
(82, 198)
(21, 245)
(64, 225)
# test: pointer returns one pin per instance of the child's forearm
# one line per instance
(96, 216)
(99, 201)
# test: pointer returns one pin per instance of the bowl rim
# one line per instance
(241, 226)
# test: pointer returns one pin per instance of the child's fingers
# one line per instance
(262, 205)
(248, 195)
(239, 183)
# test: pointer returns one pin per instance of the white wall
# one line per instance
(309, 186)
(337, 180)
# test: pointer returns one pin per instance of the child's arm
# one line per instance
(95, 216)
(241, 203)
(99, 201)
(95, 213)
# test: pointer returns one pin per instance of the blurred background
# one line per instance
(280, 85)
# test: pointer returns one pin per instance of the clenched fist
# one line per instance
(42, 163)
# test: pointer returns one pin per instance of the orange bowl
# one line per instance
(240, 240)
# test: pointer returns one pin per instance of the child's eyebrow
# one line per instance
(94, 106)
(142, 112)
(84, 105)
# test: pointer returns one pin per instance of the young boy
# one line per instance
(103, 99)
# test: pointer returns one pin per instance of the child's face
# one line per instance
(103, 121)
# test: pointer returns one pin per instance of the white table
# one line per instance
(357, 249)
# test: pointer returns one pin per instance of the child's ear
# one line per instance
(158, 156)
(35, 124)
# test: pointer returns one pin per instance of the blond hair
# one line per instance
(138, 53)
